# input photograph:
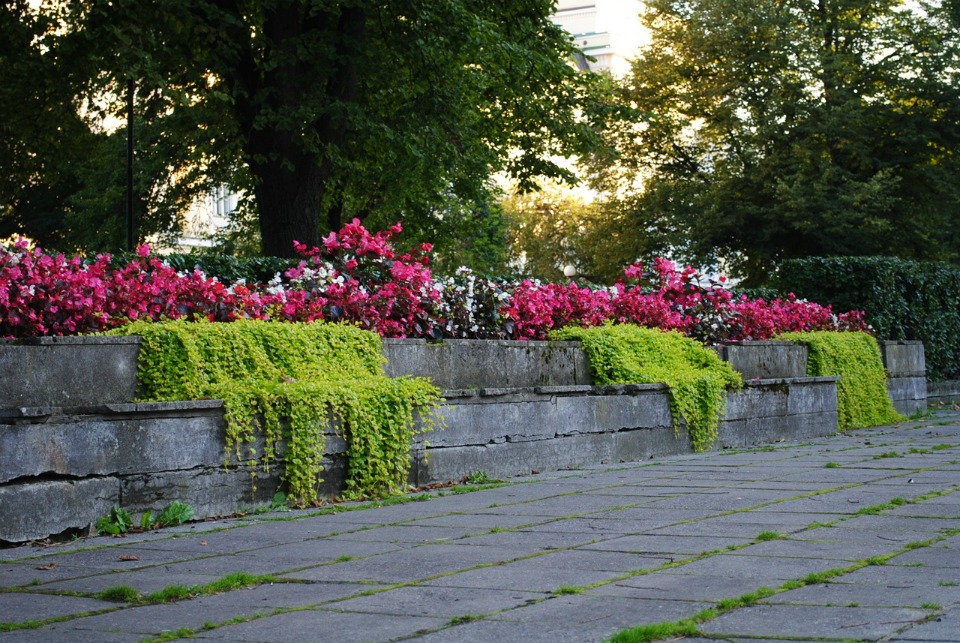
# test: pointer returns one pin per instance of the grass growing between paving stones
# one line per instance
(688, 626)
(172, 593)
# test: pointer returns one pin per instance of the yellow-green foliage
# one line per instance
(287, 383)
(855, 357)
(696, 376)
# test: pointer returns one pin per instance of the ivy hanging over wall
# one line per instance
(862, 398)
(283, 385)
(697, 378)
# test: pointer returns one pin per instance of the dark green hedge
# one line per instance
(902, 299)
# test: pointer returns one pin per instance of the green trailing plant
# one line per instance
(283, 386)
(697, 378)
(862, 398)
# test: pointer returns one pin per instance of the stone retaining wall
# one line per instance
(72, 445)
(944, 392)
(906, 375)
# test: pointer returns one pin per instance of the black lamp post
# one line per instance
(131, 239)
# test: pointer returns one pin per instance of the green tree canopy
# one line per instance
(325, 110)
(788, 128)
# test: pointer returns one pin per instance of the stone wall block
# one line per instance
(68, 371)
(943, 392)
(38, 509)
(767, 359)
(757, 401)
(903, 358)
(474, 363)
(815, 395)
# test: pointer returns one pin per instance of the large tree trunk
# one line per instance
(272, 103)
(289, 204)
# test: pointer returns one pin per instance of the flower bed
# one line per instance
(357, 276)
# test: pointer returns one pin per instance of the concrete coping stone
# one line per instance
(625, 389)
(824, 379)
(570, 389)
(81, 340)
(498, 392)
(39, 412)
(458, 393)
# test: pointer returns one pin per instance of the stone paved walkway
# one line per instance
(856, 536)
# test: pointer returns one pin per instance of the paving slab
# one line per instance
(406, 565)
(314, 625)
(700, 587)
(610, 612)
(940, 629)
(41, 607)
(744, 566)
(842, 592)
(676, 546)
(441, 602)
(861, 623)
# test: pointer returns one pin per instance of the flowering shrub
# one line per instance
(356, 276)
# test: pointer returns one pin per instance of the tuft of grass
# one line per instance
(655, 632)
(23, 625)
(344, 558)
(566, 590)
(831, 465)
(941, 447)
(947, 583)
(466, 618)
(769, 535)
(230, 582)
(936, 607)
(818, 578)
(746, 600)
(119, 594)
(171, 593)
(886, 454)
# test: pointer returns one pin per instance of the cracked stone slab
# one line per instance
(441, 602)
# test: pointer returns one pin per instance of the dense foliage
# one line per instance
(319, 111)
(282, 384)
(697, 378)
(862, 398)
(901, 299)
(357, 276)
(778, 129)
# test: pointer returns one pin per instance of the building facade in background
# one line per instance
(608, 31)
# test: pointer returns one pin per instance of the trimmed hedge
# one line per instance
(902, 299)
